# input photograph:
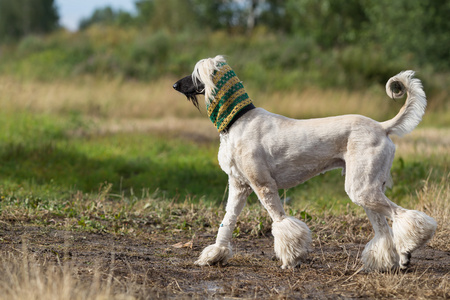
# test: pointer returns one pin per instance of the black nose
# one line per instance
(175, 85)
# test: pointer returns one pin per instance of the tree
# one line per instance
(213, 14)
(329, 22)
(107, 16)
(22, 17)
(275, 17)
(176, 15)
(436, 28)
(396, 25)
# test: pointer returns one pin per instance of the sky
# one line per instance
(72, 11)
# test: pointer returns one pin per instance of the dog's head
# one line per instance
(225, 97)
(200, 82)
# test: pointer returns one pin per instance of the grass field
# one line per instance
(98, 179)
(79, 135)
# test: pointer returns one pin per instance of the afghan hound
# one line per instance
(263, 152)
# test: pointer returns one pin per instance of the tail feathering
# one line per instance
(412, 111)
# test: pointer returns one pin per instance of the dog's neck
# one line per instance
(230, 102)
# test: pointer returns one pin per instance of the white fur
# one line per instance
(266, 152)
(292, 240)
(202, 73)
(214, 254)
(411, 113)
(380, 253)
(412, 229)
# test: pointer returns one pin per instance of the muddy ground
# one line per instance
(160, 265)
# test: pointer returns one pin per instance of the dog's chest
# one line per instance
(226, 157)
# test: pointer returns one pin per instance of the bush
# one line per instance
(267, 61)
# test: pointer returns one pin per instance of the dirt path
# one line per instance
(155, 268)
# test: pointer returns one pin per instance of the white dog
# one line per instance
(263, 152)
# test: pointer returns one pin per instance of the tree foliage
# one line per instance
(107, 16)
(411, 27)
(19, 18)
(278, 43)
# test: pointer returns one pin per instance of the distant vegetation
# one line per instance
(277, 44)
(19, 18)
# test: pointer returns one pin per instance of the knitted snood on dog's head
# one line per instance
(229, 98)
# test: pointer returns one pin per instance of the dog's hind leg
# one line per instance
(221, 251)
(292, 236)
(411, 229)
(380, 254)
(367, 173)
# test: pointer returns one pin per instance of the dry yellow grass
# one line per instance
(314, 102)
(25, 276)
(118, 106)
(95, 97)
(128, 99)
(434, 199)
(425, 142)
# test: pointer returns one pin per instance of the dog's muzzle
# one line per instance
(187, 87)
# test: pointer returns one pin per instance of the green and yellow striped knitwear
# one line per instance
(229, 97)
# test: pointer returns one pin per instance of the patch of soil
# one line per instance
(331, 271)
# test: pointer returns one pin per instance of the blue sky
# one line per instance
(72, 11)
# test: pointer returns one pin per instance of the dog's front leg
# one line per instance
(221, 251)
(292, 236)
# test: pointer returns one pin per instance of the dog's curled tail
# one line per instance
(412, 111)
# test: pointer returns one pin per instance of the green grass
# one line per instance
(42, 156)
(44, 159)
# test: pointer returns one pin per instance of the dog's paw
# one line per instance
(412, 229)
(291, 264)
(405, 260)
(292, 241)
(214, 254)
(380, 254)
